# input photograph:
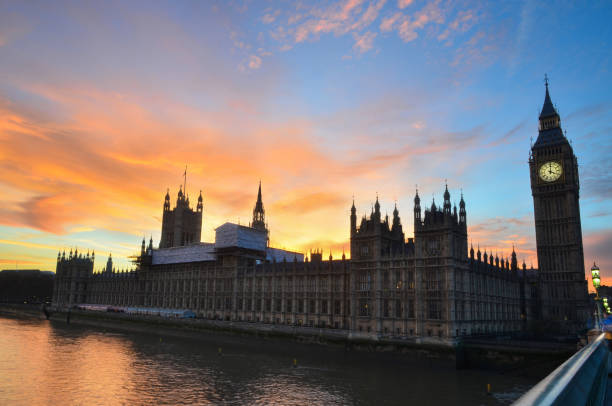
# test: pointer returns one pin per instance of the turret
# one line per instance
(396, 226)
(142, 247)
(180, 197)
(447, 203)
(514, 262)
(417, 210)
(353, 218)
(259, 214)
(167, 201)
(109, 264)
(472, 252)
(462, 215)
(200, 206)
(377, 208)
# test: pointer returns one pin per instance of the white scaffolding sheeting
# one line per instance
(189, 253)
(234, 235)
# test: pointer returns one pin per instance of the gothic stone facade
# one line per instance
(555, 188)
(428, 285)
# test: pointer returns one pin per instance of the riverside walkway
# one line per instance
(581, 380)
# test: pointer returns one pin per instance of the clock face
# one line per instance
(550, 171)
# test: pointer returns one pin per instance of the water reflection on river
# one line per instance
(50, 363)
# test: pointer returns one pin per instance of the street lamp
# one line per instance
(596, 278)
(596, 283)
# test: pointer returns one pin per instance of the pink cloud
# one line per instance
(254, 62)
(365, 42)
(388, 23)
(403, 3)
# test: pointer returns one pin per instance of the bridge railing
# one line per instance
(581, 380)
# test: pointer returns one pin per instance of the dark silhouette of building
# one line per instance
(72, 276)
(26, 286)
(259, 215)
(181, 225)
(429, 285)
(555, 188)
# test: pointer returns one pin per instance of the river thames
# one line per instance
(52, 363)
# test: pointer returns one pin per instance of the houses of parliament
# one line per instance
(430, 285)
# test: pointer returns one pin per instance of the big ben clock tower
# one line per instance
(555, 188)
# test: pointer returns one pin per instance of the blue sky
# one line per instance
(319, 100)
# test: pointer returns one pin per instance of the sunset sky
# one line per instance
(103, 104)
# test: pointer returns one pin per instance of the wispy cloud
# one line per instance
(365, 42)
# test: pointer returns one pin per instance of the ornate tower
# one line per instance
(353, 219)
(555, 188)
(259, 214)
(181, 225)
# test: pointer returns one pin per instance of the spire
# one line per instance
(185, 180)
(471, 250)
(353, 218)
(259, 214)
(259, 202)
(548, 109)
(550, 132)
(396, 220)
(447, 203)
(417, 209)
(377, 205)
